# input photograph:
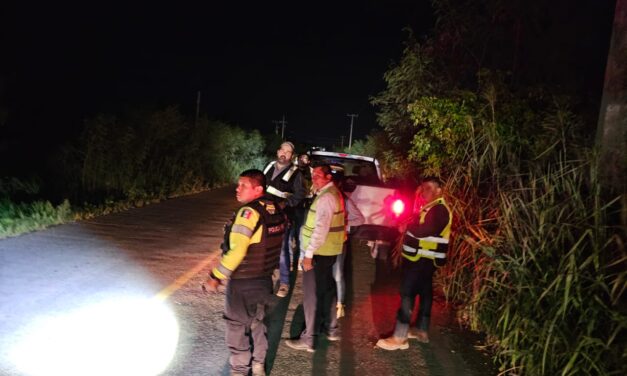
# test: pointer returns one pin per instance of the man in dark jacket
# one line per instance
(285, 182)
(424, 249)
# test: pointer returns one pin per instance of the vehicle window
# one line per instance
(363, 172)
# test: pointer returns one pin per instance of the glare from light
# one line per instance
(398, 207)
(118, 337)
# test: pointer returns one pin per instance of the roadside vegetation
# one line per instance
(17, 217)
(128, 161)
(538, 260)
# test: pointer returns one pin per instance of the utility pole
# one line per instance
(197, 108)
(611, 130)
(283, 122)
(276, 127)
(350, 137)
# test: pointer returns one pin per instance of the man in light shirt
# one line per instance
(322, 238)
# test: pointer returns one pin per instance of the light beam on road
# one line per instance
(123, 336)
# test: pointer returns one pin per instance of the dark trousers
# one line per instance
(319, 299)
(416, 279)
(244, 312)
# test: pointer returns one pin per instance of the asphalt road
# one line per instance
(120, 295)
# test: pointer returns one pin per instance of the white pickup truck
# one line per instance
(381, 205)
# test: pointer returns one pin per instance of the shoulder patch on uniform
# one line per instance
(246, 213)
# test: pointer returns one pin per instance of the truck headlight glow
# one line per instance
(125, 336)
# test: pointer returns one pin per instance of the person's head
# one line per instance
(303, 160)
(321, 175)
(250, 185)
(430, 189)
(285, 153)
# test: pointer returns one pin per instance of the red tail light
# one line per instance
(398, 207)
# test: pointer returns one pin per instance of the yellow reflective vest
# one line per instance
(334, 242)
(433, 247)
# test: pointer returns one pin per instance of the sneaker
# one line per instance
(258, 369)
(340, 310)
(283, 290)
(393, 343)
(417, 334)
(298, 344)
(333, 337)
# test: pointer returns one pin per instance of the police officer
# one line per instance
(424, 249)
(323, 236)
(252, 243)
(285, 182)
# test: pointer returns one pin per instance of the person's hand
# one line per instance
(211, 286)
(307, 264)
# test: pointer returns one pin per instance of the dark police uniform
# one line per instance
(288, 188)
(252, 247)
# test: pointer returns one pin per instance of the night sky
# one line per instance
(252, 61)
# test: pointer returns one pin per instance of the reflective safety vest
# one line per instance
(279, 186)
(431, 247)
(334, 242)
(262, 258)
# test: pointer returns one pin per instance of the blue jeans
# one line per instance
(338, 275)
(287, 255)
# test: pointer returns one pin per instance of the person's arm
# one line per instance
(325, 208)
(299, 190)
(239, 240)
(435, 222)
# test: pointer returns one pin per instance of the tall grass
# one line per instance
(538, 259)
(551, 297)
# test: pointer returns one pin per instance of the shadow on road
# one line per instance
(275, 319)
